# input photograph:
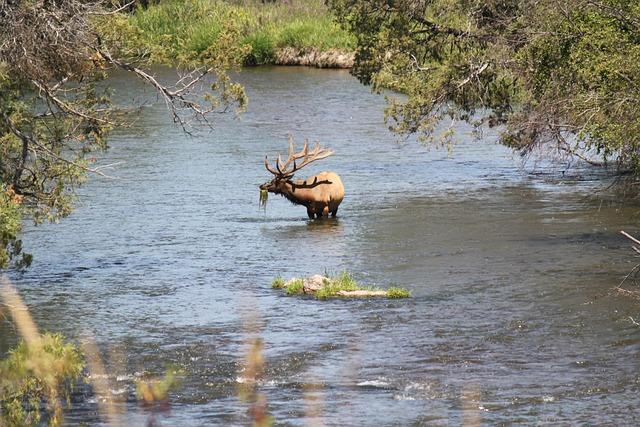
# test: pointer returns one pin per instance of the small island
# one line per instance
(344, 285)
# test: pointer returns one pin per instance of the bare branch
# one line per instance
(175, 99)
(66, 107)
(630, 237)
(28, 141)
(115, 11)
(475, 73)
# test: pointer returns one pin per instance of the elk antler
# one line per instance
(305, 155)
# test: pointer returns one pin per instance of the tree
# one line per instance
(52, 114)
(563, 75)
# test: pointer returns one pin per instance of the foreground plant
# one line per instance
(36, 378)
(39, 374)
(248, 389)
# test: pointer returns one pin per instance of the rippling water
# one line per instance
(512, 321)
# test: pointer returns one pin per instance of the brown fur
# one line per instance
(321, 194)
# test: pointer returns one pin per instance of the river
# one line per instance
(512, 321)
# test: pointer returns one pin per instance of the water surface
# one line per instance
(511, 322)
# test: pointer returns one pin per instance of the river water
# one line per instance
(512, 319)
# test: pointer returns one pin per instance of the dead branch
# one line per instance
(66, 107)
(630, 237)
(176, 100)
(633, 273)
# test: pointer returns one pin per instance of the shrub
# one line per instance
(33, 375)
(295, 287)
(262, 49)
(397, 292)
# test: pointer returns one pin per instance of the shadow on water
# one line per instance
(511, 272)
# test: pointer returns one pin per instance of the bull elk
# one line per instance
(321, 194)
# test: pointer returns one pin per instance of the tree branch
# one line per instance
(175, 100)
(66, 107)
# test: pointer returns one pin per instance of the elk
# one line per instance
(321, 194)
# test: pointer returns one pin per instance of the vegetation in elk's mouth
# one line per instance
(264, 196)
(342, 285)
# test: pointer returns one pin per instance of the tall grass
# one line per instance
(180, 27)
(189, 27)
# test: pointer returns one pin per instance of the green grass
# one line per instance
(397, 292)
(346, 281)
(295, 287)
(343, 281)
(180, 26)
(262, 49)
(37, 377)
(277, 283)
(188, 28)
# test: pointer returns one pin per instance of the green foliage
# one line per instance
(37, 377)
(398, 292)
(334, 285)
(10, 226)
(582, 79)
(187, 28)
(262, 49)
(295, 287)
(277, 283)
(564, 77)
(346, 281)
(331, 290)
(175, 29)
(48, 125)
(45, 154)
(305, 34)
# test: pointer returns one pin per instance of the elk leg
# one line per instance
(334, 213)
(310, 213)
(325, 212)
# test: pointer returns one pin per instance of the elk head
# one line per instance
(321, 194)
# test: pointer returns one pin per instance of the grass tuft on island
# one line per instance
(342, 285)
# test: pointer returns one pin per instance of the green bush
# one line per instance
(295, 287)
(397, 292)
(35, 377)
(262, 49)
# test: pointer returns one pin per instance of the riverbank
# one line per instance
(331, 58)
(300, 32)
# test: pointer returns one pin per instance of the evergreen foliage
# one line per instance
(563, 76)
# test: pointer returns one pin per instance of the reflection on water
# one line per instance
(511, 272)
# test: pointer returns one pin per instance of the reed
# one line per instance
(188, 28)
(178, 27)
